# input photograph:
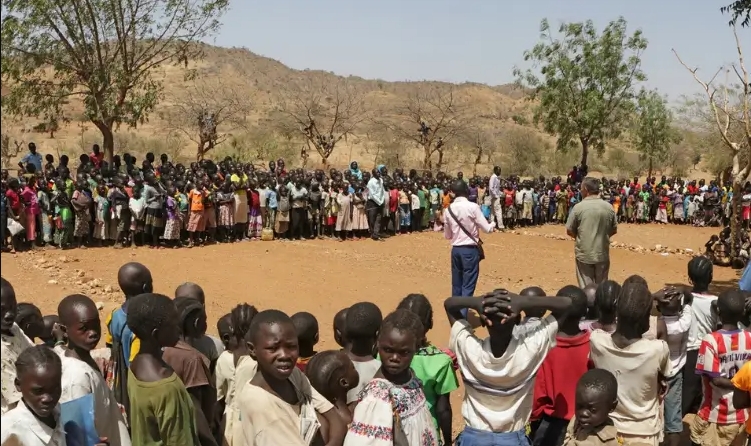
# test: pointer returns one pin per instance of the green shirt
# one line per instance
(161, 413)
(592, 220)
(435, 369)
(422, 198)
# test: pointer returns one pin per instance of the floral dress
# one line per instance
(382, 405)
(174, 220)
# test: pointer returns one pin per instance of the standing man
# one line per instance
(592, 222)
(374, 206)
(31, 158)
(462, 222)
(496, 209)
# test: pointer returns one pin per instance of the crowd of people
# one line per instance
(584, 366)
(171, 205)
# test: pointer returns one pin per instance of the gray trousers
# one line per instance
(592, 274)
(496, 213)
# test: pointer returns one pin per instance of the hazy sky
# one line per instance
(470, 40)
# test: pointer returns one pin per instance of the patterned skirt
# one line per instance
(255, 223)
(81, 228)
(154, 219)
(226, 215)
(101, 230)
(172, 228)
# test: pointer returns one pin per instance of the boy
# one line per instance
(638, 364)
(161, 410)
(306, 326)
(703, 322)
(499, 372)
(14, 341)
(209, 346)
(555, 385)
(742, 392)
(79, 320)
(362, 325)
(721, 355)
(196, 221)
(596, 398)
(340, 319)
(279, 406)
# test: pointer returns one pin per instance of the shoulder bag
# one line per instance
(480, 249)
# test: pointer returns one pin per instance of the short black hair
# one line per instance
(634, 304)
(242, 316)
(599, 380)
(700, 270)
(606, 300)
(532, 291)
(306, 326)
(267, 317)
(148, 312)
(340, 319)
(38, 356)
(731, 306)
(26, 310)
(69, 302)
(363, 321)
(190, 289)
(185, 307)
(6, 290)
(635, 279)
(224, 324)
(420, 305)
(578, 301)
(132, 278)
(404, 321)
(323, 368)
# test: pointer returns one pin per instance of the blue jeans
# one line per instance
(673, 403)
(465, 270)
(475, 437)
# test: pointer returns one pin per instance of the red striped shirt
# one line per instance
(721, 355)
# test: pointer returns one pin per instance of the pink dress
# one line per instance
(31, 208)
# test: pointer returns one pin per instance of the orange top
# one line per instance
(196, 200)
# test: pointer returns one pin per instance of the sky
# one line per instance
(472, 40)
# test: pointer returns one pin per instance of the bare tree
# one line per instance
(9, 150)
(385, 146)
(323, 110)
(484, 145)
(726, 114)
(432, 118)
(207, 113)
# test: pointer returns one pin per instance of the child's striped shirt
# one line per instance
(722, 354)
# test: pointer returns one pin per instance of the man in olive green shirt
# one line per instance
(592, 222)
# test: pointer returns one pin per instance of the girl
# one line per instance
(344, 217)
(405, 210)
(299, 196)
(359, 217)
(332, 209)
(29, 320)
(81, 206)
(101, 224)
(14, 341)
(15, 211)
(45, 212)
(63, 216)
(137, 207)
(281, 223)
(154, 221)
(31, 211)
(392, 408)
(119, 213)
(333, 374)
(630, 204)
(226, 200)
(174, 219)
(243, 367)
(255, 220)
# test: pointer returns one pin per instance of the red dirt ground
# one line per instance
(323, 276)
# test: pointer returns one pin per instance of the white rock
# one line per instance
(52, 282)
(100, 305)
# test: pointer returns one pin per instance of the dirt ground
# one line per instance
(323, 276)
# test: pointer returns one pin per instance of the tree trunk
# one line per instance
(651, 161)
(440, 160)
(585, 151)
(427, 163)
(108, 139)
(736, 225)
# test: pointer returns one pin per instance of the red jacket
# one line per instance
(555, 384)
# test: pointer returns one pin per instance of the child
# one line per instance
(137, 207)
(245, 367)
(416, 218)
(226, 201)
(161, 409)
(14, 341)
(306, 326)
(673, 325)
(606, 299)
(592, 315)
(532, 317)
(405, 209)
(79, 319)
(340, 321)
(196, 221)
(51, 331)
(45, 212)
(101, 223)
(361, 331)
(742, 392)
(346, 211)
(333, 374)
(281, 220)
(703, 322)
(255, 220)
(391, 408)
(499, 372)
(63, 216)
(279, 406)
(81, 203)
(29, 320)
(192, 367)
(596, 398)
(639, 364)
(721, 355)
(35, 422)
(173, 225)
(225, 368)
(566, 363)
(433, 367)
(196, 336)
(31, 211)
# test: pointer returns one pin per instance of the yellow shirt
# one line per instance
(135, 343)
(742, 381)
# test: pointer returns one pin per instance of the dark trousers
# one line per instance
(375, 212)
(549, 431)
(692, 388)
(465, 270)
(417, 219)
(299, 220)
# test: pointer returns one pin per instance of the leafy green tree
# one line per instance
(586, 82)
(103, 52)
(653, 131)
(739, 10)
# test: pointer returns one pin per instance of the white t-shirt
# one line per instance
(22, 428)
(499, 391)
(366, 370)
(677, 331)
(12, 346)
(636, 368)
(703, 321)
